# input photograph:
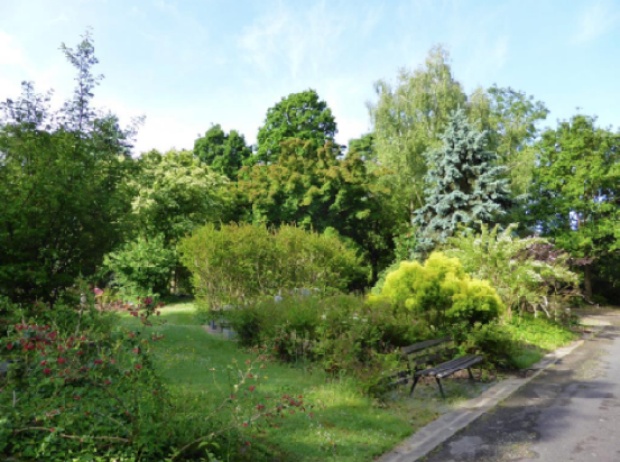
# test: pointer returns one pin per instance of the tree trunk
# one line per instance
(587, 281)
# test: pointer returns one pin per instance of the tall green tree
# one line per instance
(317, 189)
(224, 153)
(299, 115)
(408, 118)
(364, 146)
(60, 176)
(576, 192)
(173, 193)
(512, 128)
(466, 185)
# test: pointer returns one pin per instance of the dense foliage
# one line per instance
(465, 185)
(315, 188)
(441, 292)
(236, 264)
(224, 153)
(299, 115)
(60, 176)
(524, 276)
(575, 193)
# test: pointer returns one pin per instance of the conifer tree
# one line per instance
(466, 185)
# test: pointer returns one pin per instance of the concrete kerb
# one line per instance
(437, 432)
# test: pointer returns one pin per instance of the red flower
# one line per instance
(107, 382)
(136, 350)
(98, 361)
(245, 424)
(43, 363)
(252, 388)
(47, 371)
(61, 360)
(9, 346)
(148, 300)
(52, 429)
(138, 366)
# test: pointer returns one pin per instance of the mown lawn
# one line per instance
(345, 426)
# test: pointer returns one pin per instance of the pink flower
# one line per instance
(138, 366)
(98, 291)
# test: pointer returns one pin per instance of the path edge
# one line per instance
(429, 437)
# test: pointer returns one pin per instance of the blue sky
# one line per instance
(186, 64)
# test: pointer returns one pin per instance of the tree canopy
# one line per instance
(466, 187)
(299, 115)
(224, 153)
(575, 190)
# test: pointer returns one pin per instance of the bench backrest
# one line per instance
(429, 351)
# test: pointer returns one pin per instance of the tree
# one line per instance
(314, 188)
(173, 193)
(300, 115)
(408, 119)
(512, 118)
(224, 153)
(576, 191)
(364, 147)
(465, 181)
(60, 176)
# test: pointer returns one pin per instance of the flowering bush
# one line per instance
(93, 395)
(86, 392)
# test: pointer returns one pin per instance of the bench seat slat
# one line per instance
(424, 345)
(450, 366)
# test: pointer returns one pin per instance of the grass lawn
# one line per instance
(347, 427)
(537, 337)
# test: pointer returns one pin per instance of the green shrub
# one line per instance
(493, 340)
(341, 333)
(142, 267)
(440, 292)
(527, 273)
(80, 392)
(237, 264)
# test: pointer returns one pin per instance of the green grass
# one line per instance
(537, 336)
(346, 425)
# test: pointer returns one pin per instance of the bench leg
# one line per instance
(415, 382)
(443, 395)
(471, 376)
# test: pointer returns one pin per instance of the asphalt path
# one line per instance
(570, 412)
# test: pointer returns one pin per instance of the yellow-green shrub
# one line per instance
(441, 292)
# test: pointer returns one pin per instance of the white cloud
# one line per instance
(597, 20)
(305, 40)
(10, 52)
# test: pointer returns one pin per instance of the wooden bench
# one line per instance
(432, 352)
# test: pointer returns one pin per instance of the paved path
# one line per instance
(571, 412)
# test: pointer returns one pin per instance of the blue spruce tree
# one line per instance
(466, 185)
